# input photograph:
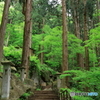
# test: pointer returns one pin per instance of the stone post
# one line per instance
(22, 73)
(6, 79)
(58, 81)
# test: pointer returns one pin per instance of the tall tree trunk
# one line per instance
(7, 40)
(3, 26)
(98, 54)
(42, 55)
(64, 42)
(98, 21)
(86, 37)
(80, 61)
(30, 44)
(42, 47)
(26, 38)
(98, 9)
(8, 35)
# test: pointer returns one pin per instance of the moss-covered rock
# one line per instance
(18, 87)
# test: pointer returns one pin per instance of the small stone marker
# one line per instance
(58, 81)
(6, 79)
(22, 73)
(36, 78)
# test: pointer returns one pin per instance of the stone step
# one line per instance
(53, 95)
(44, 92)
(43, 99)
(44, 95)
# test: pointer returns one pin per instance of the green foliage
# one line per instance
(46, 71)
(38, 89)
(53, 45)
(41, 69)
(15, 34)
(96, 14)
(25, 96)
(1, 68)
(35, 60)
(75, 97)
(15, 14)
(90, 8)
(45, 12)
(34, 65)
(94, 36)
(74, 44)
(84, 79)
(17, 75)
(15, 26)
(51, 41)
(1, 10)
(74, 47)
(13, 54)
(93, 43)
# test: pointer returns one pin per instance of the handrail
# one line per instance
(64, 95)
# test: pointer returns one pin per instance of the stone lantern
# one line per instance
(6, 79)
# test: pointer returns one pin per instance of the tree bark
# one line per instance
(3, 26)
(80, 61)
(26, 37)
(30, 44)
(98, 54)
(98, 21)
(8, 36)
(98, 9)
(86, 37)
(41, 46)
(7, 40)
(64, 41)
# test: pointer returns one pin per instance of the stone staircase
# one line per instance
(44, 95)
